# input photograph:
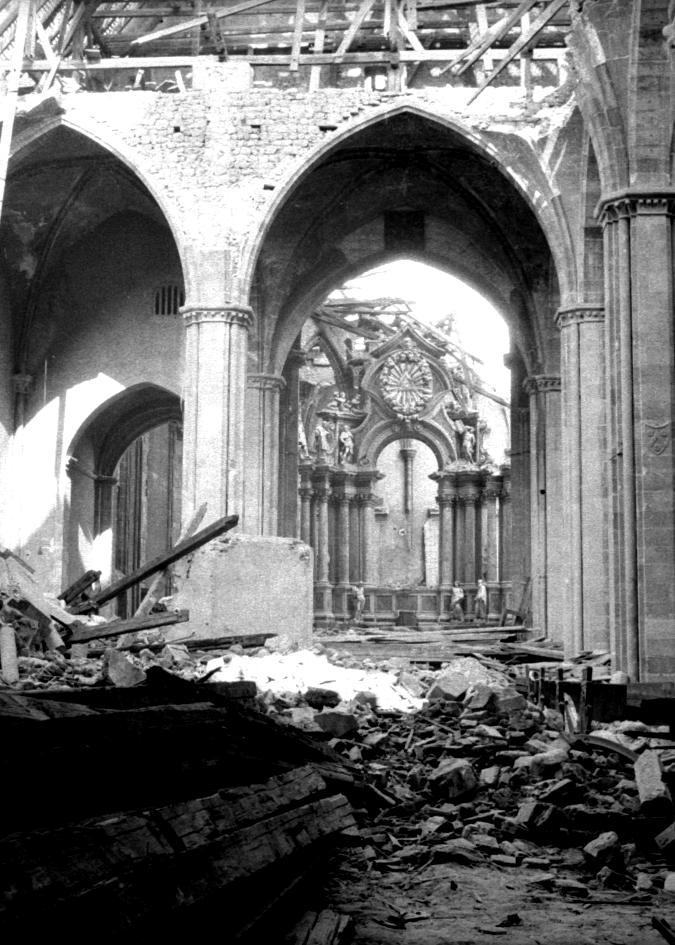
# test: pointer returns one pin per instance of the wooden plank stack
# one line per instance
(148, 819)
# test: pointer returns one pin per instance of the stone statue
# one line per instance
(303, 451)
(359, 600)
(338, 401)
(456, 598)
(345, 446)
(322, 438)
(468, 444)
(480, 603)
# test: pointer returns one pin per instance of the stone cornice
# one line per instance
(265, 381)
(579, 314)
(635, 202)
(542, 384)
(226, 314)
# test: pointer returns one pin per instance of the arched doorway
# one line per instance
(125, 485)
(413, 186)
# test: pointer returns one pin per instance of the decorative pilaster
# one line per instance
(582, 366)
(505, 526)
(215, 374)
(262, 452)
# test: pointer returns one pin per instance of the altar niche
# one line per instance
(399, 493)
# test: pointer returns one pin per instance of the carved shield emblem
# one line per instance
(658, 436)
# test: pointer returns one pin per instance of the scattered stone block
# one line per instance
(320, 698)
(120, 671)
(605, 850)
(501, 859)
(458, 850)
(337, 724)
(544, 763)
(655, 798)
(481, 697)
(450, 686)
(669, 883)
(454, 779)
(489, 777)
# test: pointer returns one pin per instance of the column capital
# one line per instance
(634, 202)
(446, 500)
(579, 314)
(542, 383)
(226, 314)
(265, 381)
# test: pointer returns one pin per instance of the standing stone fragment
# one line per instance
(655, 798)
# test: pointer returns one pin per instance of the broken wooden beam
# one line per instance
(115, 628)
(73, 591)
(183, 548)
(152, 595)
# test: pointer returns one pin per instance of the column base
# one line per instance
(323, 605)
(246, 585)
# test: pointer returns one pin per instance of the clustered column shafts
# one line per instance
(215, 384)
(638, 239)
(338, 520)
(581, 329)
(266, 389)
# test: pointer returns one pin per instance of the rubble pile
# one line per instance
(479, 775)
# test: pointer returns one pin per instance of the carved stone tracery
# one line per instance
(406, 381)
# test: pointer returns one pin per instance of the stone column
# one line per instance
(585, 615)
(366, 498)
(262, 452)
(215, 374)
(447, 500)
(491, 550)
(407, 454)
(344, 495)
(640, 386)
(506, 538)
(546, 492)
(468, 497)
(288, 446)
(306, 493)
(323, 610)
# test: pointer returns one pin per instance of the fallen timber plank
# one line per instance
(149, 756)
(183, 548)
(73, 591)
(150, 862)
(116, 628)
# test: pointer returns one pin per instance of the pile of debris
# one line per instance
(479, 775)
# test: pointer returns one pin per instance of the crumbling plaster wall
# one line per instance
(103, 337)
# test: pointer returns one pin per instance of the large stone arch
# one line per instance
(25, 141)
(478, 202)
(525, 174)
